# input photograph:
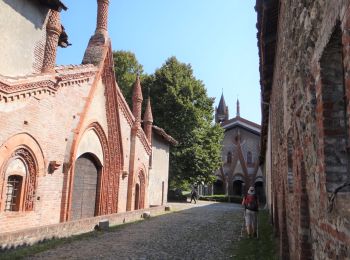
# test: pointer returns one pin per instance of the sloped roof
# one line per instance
(161, 132)
(244, 123)
(56, 5)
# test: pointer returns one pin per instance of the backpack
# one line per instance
(251, 202)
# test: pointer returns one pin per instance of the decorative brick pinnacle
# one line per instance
(53, 31)
(148, 117)
(137, 100)
(102, 15)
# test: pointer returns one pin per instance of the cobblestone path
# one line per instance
(201, 231)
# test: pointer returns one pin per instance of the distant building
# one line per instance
(240, 154)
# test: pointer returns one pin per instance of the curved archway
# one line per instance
(21, 162)
(140, 193)
(237, 187)
(86, 186)
(218, 186)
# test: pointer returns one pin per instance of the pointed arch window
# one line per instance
(229, 157)
(249, 158)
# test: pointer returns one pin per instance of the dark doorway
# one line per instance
(137, 196)
(219, 188)
(162, 193)
(238, 188)
(85, 186)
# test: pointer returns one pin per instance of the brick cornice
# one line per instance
(12, 89)
(142, 136)
(125, 108)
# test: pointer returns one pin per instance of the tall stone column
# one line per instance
(53, 31)
(102, 16)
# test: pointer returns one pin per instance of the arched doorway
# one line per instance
(238, 187)
(218, 187)
(137, 196)
(85, 186)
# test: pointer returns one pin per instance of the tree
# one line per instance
(126, 68)
(181, 106)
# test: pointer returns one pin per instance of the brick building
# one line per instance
(305, 89)
(240, 154)
(70, 147)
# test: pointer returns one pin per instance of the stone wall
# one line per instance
(34, 235)
(309, 124)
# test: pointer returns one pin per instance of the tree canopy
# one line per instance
(181, 106)
(126, 68)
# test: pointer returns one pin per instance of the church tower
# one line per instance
(221, 112)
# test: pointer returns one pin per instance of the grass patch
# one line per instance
(27, 251)
(264, 248)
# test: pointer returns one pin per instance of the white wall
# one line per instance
(159, 172)
(22, 30)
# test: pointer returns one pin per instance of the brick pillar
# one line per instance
(102, 15)
(148, 121)
(53, 31)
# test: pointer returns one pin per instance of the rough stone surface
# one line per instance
(201, 231)
(308, 125)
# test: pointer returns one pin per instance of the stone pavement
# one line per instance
(204, 230)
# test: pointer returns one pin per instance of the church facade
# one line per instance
(240, 154)
(70, 147)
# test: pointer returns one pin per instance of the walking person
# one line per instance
(250, 203)
(193, 195)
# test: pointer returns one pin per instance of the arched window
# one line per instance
(249, 158)
(13, 193)
(229, 157)
(333, 113)
(19, 182)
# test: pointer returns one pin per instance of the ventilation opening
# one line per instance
(335, 124)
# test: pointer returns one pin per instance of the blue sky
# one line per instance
(218, 38)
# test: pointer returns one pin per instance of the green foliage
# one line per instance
(222, 198)
(181, 106)
(126, 68)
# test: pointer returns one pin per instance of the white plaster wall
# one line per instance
(22, 27)
(97, 110)
(159, 172)
(123, 182)
(90, 143)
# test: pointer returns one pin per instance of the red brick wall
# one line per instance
(306, 227)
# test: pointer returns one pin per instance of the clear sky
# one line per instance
(218, 38)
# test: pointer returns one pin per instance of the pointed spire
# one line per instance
(221, 113)
(148, 119)
(222, 105)
(137, 100)
(238, 109)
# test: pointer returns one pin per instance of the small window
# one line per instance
(249, 158)
(229, 157)
(13, 193)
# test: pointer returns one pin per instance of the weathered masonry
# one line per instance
(70, 147)
(304, 49)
